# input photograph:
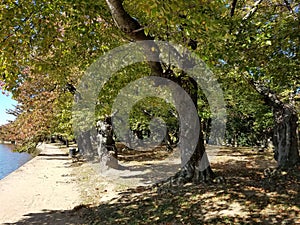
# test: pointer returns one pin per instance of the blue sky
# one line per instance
(6, 103)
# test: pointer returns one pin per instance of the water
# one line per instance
(10, 161)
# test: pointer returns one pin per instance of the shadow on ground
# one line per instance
(246, 198)
(51, 217)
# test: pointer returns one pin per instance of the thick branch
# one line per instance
(269, 96)
(134, 30)
(233, 5)
(125, 22)
(252, 10)
(250, 13)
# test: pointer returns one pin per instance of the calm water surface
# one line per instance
(10, 161)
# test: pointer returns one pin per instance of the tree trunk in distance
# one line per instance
(106, 148)
(85, 144)
(285, 138)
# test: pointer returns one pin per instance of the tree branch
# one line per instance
(288, 5)
(252, 10)
(233, 5)
(135, 31)
(269, 96)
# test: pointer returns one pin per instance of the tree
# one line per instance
(249, 119)
(131, 27)
(255, 47)
(44, 49)
(254, 43)
(34, 114)
(266, 54)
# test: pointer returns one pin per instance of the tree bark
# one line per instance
(85, 144)
(197, 168)
(285, 136)
(106, 148)
(190, 171)
(285, 139)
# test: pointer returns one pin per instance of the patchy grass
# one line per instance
(246, 198)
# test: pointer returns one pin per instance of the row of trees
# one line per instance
(252, 46)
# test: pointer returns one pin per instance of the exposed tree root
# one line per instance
(275, 172)
(189, 175)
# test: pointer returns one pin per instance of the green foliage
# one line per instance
(266, 47)
(62, 123)
(149, 108)
(59, 40)
(249, 119)
(118, 81)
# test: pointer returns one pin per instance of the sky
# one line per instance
(6, 103)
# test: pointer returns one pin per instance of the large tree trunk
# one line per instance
(195, 167)
(85, 144)
(106, 148)
(191, 170)
(285, 137)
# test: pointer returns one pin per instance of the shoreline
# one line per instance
(7, 142)
(44, 183)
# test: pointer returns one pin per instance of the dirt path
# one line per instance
(46, 189)
(98, 185)
(248, 197)
(43, 184)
